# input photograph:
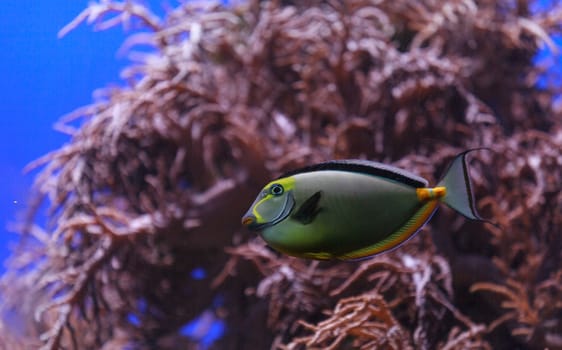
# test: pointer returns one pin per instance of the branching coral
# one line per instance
(154, 181)
(400, 291)
(536, 317)
(366, 319)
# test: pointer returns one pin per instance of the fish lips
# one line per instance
(250, 221)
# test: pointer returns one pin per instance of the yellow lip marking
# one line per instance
(247, 221)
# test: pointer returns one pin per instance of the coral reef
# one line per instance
(152, 186)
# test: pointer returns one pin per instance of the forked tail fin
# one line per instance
(459, 189)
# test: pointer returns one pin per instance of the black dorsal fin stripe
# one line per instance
(364, 167)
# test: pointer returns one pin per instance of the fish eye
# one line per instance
(276, 189)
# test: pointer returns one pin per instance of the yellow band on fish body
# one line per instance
(398, 237)
(426, 194)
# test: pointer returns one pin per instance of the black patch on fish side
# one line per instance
(365, 167)
(308, 210)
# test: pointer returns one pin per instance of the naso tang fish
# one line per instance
(351, 209)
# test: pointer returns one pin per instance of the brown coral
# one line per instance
(154, 181)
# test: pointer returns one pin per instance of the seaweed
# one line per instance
(152, 185)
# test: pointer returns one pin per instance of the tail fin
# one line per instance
(459, 189)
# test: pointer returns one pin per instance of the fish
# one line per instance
(354, 209)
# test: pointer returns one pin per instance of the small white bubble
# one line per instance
(15, 202)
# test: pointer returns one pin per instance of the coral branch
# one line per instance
(124, 11)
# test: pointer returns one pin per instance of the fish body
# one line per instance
(353, 209)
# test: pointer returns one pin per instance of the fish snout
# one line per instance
(250, 221)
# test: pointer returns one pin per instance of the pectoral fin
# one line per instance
(309, 209)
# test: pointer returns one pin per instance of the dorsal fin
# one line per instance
(364, 167)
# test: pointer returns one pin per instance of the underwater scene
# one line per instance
(355, 174)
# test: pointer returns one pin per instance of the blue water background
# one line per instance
(43, 78)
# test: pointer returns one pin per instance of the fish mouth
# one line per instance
(257, 227)
(250, 221)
